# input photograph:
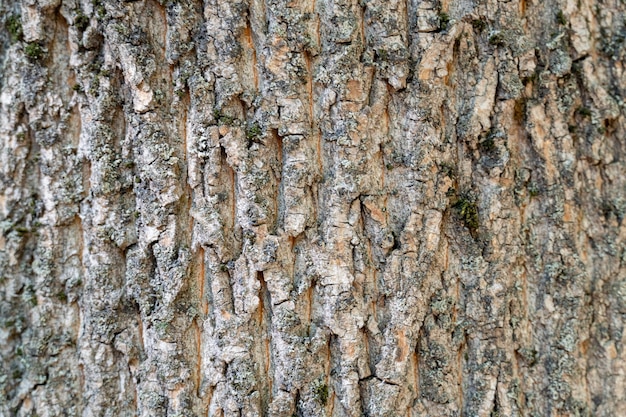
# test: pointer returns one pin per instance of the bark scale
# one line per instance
(312, 208)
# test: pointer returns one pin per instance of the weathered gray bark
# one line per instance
(309, 208)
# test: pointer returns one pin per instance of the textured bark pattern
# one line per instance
(312, 208)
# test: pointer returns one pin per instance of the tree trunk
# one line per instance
(312, 208)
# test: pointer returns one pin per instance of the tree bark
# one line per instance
(312, 208)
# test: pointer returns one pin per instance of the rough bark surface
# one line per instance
(312, 208)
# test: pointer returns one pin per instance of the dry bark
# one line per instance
(312, 208)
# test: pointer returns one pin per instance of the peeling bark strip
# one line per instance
(312, 208)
